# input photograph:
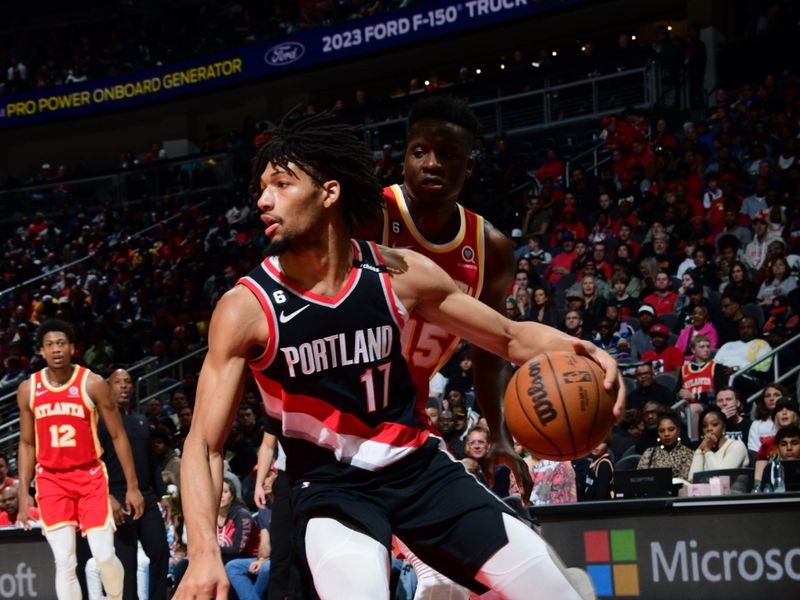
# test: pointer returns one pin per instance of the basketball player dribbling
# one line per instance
(58, 431)
(319, 325)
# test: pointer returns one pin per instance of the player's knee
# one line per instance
(112, 575)
(66, 563)
(101, 543)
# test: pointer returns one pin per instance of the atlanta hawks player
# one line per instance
(58, 430)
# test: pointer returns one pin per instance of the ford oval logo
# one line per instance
(284, 54)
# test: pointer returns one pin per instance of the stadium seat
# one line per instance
(668, 380)
(669, 319)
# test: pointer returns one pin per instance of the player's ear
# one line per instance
(470, 166)
(331, 190)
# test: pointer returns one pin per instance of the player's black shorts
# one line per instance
(449, 520)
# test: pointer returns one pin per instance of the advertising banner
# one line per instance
(363, 37)
(26, 565)
(732, 552)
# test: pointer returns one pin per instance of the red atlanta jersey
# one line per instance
(698, 379)
(66, 421)
(427, 347)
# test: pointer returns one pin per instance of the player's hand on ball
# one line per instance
(613, 375)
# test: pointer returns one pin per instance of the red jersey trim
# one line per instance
(273, 271)
(405, 214)
(395, 434)
(266, 357)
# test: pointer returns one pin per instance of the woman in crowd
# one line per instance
(543, 310)
(687, 281)
(740, 287)
(715, 450)
(594, 304)
(785, 413)
(600, 479)
(701, 325)
(237, 531)
(763, 426)
(779, 281)
(553, 481)
(669, 451)
(523, 297)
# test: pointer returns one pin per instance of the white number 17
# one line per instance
(368, 379)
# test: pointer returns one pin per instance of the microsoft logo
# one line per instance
(611, 561)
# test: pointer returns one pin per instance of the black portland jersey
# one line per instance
(333, 379)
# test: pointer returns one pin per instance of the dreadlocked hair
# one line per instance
(445, 108)
(325, 150)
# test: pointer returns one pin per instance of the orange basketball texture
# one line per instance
(556, 405)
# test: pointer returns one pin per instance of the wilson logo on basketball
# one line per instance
(538, 393)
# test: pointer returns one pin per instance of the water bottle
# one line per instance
(778, 482)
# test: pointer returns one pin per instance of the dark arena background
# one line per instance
(641, 156)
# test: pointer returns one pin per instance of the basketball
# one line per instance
(556, 405)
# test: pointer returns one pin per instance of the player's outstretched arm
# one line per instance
(26, 453)
(422, 286)
(100, 393)
(237, 325)
(491, 373)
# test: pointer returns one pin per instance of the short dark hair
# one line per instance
(444, 108)
(715, 411)
(785, 432)
(325, 150)
(730, 388)
(670, 415)
(51, 325)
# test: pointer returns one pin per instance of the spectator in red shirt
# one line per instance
(569, 222)
(562, 262)
(625, 236)
(602, 266)
(665, 359)
(553, 169)
(663, 298)
(5, 479)
(626, 215)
